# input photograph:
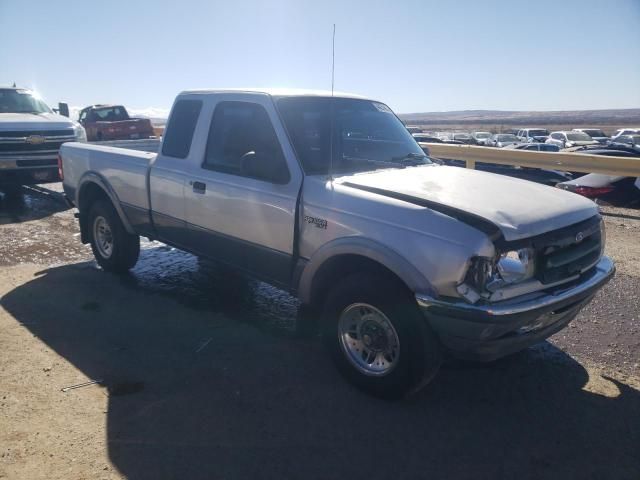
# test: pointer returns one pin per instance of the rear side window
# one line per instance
(179, 132)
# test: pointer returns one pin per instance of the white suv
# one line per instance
(624, 131)
(570, 139)
(529, 135)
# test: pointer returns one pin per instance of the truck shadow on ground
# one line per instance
(29, 203)
(197, 391)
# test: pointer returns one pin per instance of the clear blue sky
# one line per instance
(414, 55)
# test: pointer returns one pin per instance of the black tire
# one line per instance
(125, 247)
(11, 192)
(419, 356)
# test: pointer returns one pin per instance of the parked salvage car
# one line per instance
(403, 260)
(502, 140)
(537, 147)
(527, 135)
(633, 140)
(568, 139)
(620, 191)
(463, 138)
(610, 150)
(480, 138)
(538, 175)
(595, 133)
(625, 131)
(425, 138)
(112, 122)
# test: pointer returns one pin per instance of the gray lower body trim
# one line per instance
(264, 263)
(139, 218)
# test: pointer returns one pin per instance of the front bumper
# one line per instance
(486, 332)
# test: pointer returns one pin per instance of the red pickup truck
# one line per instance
(112, 122)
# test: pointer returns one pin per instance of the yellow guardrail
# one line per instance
(568, 161)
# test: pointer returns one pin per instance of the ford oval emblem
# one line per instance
(579, 237)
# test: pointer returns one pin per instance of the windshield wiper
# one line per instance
(409, 156)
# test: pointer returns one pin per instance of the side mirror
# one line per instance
(63, 108)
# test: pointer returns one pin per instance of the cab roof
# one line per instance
(276, 92)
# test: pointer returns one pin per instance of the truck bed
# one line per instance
(125, 170)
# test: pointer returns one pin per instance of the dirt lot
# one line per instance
(202, 375)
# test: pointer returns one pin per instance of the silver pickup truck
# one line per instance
(403, 261)
(30, 137)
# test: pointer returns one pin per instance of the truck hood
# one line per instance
(33, 121)
(518, 208)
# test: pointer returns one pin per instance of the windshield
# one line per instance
(594, 133)
(578, 137)
(483, 135)
(367, 135)
(111, 114)
(538, 133)
(507, 138)
(21, 101)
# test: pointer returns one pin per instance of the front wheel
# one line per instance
(378, 338)
(115, 249)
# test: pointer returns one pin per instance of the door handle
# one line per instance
(199, 187)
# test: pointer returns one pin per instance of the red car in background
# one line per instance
(112, 122)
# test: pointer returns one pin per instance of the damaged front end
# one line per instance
(534, 264)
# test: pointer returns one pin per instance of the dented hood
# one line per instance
(518, 208)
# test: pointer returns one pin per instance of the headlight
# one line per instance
(80, 133)
(486, 274)
(516, 265)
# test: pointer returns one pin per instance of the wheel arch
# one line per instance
(346, 255)
(94, 187)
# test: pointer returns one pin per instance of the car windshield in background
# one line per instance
(483, 135)
(507, 138)
(366, 135)
(111, 114)
(631, 139)
(21, 101)
(538, 133)
(578, 137)
(461, 136)
(595, 133)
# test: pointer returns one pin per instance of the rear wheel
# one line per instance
(378, 338)
(11, 192)
(115, 249)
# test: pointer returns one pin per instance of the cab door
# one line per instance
(241, 195)
(167, 176)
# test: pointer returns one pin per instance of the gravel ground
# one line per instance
(202, 375)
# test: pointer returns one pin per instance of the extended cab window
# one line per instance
(242, 142)
(179, 132)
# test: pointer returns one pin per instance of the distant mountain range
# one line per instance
(627, 116)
